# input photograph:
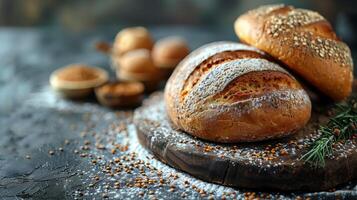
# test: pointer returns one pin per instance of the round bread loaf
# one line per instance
(230, 92)
(137, 65)
(168, 52)
(304, 41)
(136, 61)
(132, 38)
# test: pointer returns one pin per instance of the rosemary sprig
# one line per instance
(339, 128)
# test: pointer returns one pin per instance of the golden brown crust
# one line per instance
(138, 76)
(136, 61)
(213, 61)
(168, 52)
(267, 122)
(120, 94)
(229, 92)
(256, 84)
(304, 41)
(150, 81)
(132, 38)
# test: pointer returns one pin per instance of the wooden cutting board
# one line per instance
(274, 164)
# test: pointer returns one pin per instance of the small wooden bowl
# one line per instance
(77, 81)
(120, 94)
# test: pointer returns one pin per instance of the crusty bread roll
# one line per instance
(304, 41)
(132, 38)
(169, 51)
(136, 61)
(230, 92)
(137, 65)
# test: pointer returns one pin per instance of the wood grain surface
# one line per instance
(274, 164)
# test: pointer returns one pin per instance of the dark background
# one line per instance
(88, 15)
(38, 36)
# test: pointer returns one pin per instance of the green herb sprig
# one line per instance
(339, 128)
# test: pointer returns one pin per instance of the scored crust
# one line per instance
(229, 92)
(255, 84)
(304, 41)
(213, 61)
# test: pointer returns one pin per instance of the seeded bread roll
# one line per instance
(304, 41)
(230, 92)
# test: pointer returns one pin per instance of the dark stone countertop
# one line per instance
(85, 138)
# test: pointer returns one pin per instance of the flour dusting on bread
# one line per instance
(196, 103)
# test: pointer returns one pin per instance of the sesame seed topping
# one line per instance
(293, 22)
(281, 24)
